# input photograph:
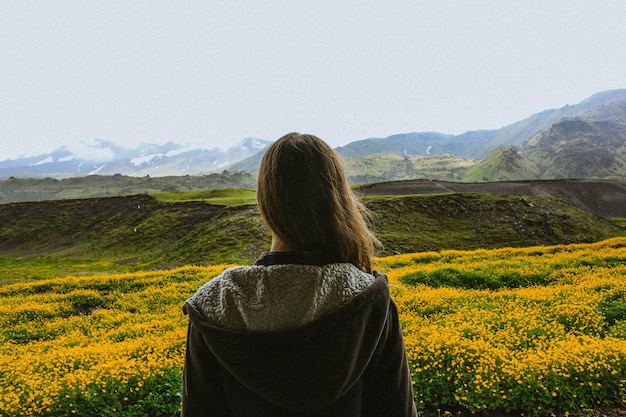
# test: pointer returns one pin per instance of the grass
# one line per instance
(230, 197)
(236, 235)
(470, 221)
(14, 269)
(175, 229)
(74, 274)
(619, 221)
(135, 231)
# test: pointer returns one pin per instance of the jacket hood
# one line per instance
(307, 367)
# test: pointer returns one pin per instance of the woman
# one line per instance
(309, 329)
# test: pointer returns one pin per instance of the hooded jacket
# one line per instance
(293, 336)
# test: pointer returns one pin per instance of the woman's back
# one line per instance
(309, 330)
(338, 352)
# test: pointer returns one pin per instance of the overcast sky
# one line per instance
(214, 72)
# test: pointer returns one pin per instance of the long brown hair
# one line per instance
(305, 199)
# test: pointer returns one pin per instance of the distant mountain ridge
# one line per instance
(107, 158)
(585, 140)
(477, 144)
(591, 145)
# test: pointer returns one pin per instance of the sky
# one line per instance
(211, 73)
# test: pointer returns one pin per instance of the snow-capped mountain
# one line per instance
(585, 140)
(107, 158)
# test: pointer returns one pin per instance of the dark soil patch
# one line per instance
(602, 198)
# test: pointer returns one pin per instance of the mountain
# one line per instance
(477, 144)
(579, 148)
(585, 140)
(522, 150)
(503, 164)
(590, 145)
(424, 143)
(393, 167)
(402, 145)
(106, 158)
(523, 130)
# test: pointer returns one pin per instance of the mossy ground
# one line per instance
(175, 229)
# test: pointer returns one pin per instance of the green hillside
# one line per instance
(141, 231)
(15, 190)
(579, 148)
(503, 164)
(469, 221)
(392, 167)
(218, 197)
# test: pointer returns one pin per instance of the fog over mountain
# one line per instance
(586, 140)
(107, 158)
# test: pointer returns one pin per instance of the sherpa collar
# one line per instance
(278, 297)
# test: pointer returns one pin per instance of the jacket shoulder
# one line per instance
(270, 298)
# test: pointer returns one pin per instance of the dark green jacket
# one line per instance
(350, 362)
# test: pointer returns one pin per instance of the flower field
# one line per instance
(533, 331)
